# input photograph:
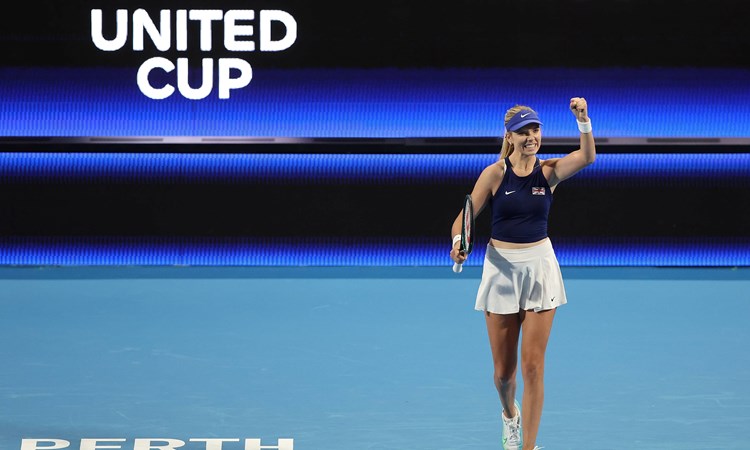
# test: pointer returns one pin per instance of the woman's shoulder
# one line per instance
(492, 176)
(498, 165)
(496, 169)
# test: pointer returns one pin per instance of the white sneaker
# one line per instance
(512, 433)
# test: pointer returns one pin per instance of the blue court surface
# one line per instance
(357, 358)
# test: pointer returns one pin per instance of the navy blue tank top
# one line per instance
(520, 207)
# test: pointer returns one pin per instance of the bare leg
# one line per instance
(503, 331)
(536, 329)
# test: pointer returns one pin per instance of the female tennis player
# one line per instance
(521, 282)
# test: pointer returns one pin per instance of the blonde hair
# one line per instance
(507, 147)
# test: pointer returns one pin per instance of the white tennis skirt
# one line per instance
(524, 278)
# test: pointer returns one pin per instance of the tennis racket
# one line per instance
(467, 230)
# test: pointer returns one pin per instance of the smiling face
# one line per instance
(527, 140)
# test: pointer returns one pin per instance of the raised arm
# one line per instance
(572, 163)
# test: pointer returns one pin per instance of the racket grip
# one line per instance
(457, 267)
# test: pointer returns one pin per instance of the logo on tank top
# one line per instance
(538, 191)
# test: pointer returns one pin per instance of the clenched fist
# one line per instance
(580, 109)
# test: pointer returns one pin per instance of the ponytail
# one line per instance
(506, 149)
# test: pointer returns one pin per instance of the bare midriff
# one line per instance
(504, 244)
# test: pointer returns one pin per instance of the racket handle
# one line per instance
(457, 267)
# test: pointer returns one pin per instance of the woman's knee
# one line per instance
(504, 375)
(532, 370)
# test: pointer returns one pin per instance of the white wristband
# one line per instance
(456, 238)
(584, 127)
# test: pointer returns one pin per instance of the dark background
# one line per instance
(649, 205)
(567, 33)
(393, 33)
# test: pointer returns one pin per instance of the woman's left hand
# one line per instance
(580, 109)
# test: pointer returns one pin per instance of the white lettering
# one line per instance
(93, 444)
(284, 444)
(213, 443)
(148, 444)
(183, 84)
(226, 82)
(34, 444)
(233, 73)
(232, 30)
(97, 34)
(161, 35)
(205, 17)
(180, 29)
(268, 16)
(142, 78)
(142, 22)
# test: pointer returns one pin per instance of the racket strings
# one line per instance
(468, 225)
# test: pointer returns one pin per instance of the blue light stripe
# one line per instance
(707, 251)
(714, 170)
(398, 103)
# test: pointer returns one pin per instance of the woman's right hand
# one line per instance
(458, 256)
